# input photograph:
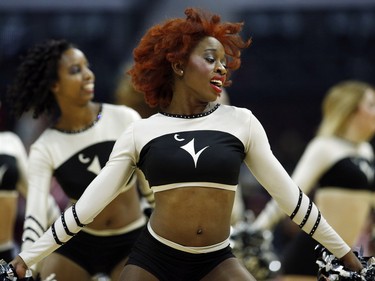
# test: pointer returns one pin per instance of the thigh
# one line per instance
(136, 273)
(116, 272)
(228, 270)
(65, 269)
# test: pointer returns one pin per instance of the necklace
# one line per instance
(85, 128)
(191, 116)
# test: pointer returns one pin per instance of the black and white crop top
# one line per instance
(179, 151)
(13, 172)
(189, 157)
(327, 163)
(331, 162)
(13, 163)
(75, 159)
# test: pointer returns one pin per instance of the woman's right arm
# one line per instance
(101, 191)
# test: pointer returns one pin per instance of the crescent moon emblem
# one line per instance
(176, 137)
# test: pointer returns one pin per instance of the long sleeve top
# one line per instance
(179, 151)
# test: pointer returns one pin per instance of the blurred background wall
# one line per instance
(300, 48)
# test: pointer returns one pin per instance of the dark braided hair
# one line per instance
(37, 73)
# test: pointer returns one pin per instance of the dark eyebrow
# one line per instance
(210, 50)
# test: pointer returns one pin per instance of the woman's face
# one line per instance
(366, 113)
(205, 71)
(76, 80)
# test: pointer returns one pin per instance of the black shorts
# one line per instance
(99, 253)
(169, 264)
(299, 257)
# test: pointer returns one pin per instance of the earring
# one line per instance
(181, 72)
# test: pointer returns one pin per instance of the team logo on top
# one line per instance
(190, 148)
(365, 167)
(94, 167)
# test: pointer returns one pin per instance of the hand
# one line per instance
(351, 262)
(19, 266)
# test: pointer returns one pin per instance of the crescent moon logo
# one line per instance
(177, 137)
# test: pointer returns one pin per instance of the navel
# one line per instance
(199, 231)
(108, 223)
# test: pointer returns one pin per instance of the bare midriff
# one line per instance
(347, 211)
(193, 216)
(123, 210)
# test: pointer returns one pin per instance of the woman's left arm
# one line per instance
(273, 177)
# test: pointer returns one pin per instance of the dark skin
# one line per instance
(200, 215)
(74, 92)
(189, 216)
(195, 216)
(200, 208)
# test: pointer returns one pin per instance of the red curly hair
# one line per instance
(173, 41)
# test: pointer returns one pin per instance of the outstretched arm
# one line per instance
(273, 177)
(314, 161)
(117, 172)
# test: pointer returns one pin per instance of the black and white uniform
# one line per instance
(13, 162)
(184, 151)
(13, 180)
(342, 172)
(75, 159)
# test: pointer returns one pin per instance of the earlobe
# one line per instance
(178, 68)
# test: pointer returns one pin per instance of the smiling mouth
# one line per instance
(217, 83)
(89, 87)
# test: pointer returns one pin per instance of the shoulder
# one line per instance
(46, 137)
(241, 117)
(337, 148)
(10, 139)
(234, 109)
(11, 142)
(239, 113)
(324, 144)
(8, 136)
(319, 141)
(120, 111)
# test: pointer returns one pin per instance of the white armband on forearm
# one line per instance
(32, 231)
(63, 229)
(310, 220)
(66, 226)
(39, 250)
(329, 238)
